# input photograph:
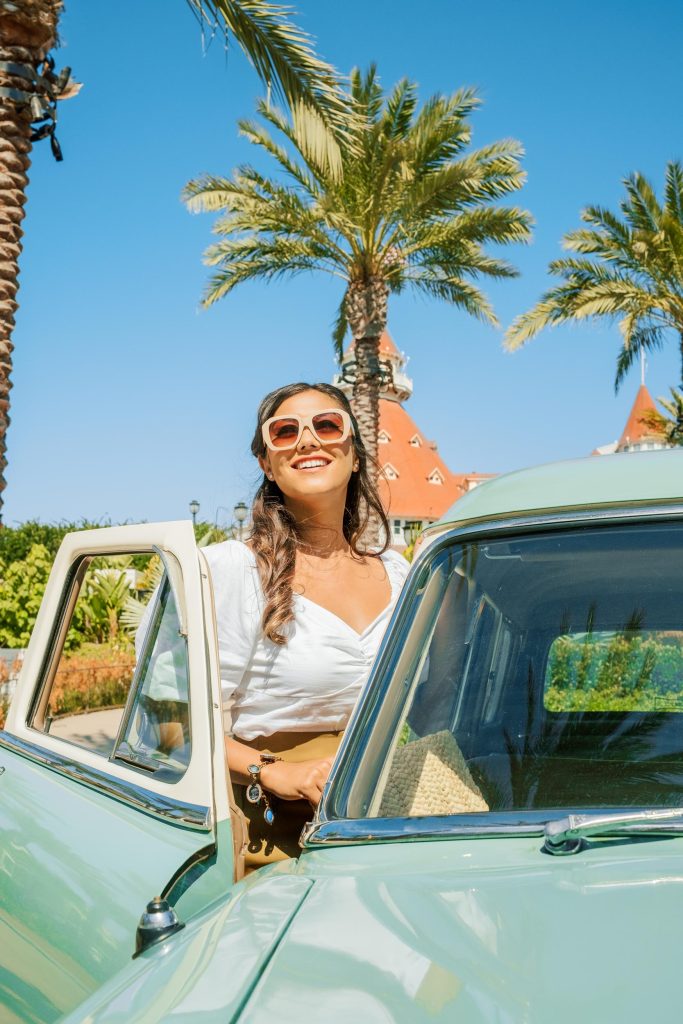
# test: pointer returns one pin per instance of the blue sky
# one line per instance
(129, 400)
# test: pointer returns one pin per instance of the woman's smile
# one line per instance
(310, 464)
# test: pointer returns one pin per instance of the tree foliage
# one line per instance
(283, 57)
(22, 584)
(409, 205)
(626, 268)
(668, 424)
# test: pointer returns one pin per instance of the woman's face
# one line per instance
(312, 467)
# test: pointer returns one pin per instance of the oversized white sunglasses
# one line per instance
(280, 433)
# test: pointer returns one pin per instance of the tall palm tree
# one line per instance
(406, 207)
(281, 53)
(28, 31)
(628, 268)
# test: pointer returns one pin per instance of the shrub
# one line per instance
(95, 677)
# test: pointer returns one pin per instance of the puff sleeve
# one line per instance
(239, 607)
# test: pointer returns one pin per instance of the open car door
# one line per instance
(113, 785)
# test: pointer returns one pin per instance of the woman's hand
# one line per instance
(299, 780)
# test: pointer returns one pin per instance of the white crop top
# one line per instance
(310, 684)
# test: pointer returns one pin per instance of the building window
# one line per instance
(435, 477)
(416, 441)
(398, 532)
(383, 437)
(389, 472)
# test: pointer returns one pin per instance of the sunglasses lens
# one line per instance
(283, 432)
(329, 426)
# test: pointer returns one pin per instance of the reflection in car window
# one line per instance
(119, 684)
(156, 732)
(550, 675)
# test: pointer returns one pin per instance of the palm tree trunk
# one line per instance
(366, 312)
(28, 31)
(15, 147)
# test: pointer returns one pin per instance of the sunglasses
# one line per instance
(280, 433)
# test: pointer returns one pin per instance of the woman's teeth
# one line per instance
(311, 464)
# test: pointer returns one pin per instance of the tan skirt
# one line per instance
(270, 843)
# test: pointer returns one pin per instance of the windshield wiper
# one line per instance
(567, 835)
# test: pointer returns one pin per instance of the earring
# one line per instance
(355, 467)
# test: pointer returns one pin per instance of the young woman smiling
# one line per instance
(301, 609)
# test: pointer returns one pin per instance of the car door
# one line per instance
(112, 769)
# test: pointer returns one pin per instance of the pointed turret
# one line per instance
(416, 486)
(637, 435)
(397, 386)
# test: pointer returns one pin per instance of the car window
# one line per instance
(116, 679)
(548, 674)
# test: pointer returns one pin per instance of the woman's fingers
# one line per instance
(297, 780)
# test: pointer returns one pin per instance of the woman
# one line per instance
(300, 610)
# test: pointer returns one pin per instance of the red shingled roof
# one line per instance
(635, 430)
(387, 346)
(411, 495)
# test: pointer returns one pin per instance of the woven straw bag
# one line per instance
(429, 776)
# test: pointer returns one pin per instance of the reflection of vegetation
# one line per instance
(623, 671)
(97, 676)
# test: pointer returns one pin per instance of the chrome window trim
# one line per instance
(177, 813)
(348, 831)
(331, 821)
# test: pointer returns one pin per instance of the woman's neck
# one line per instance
(319, 531)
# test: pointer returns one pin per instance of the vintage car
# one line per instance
(501, 839)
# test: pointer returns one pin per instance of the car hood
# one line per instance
(489, 931)
(484, 931)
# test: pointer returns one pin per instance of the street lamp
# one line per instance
(194, 509)
(410, 532)
(240, 513)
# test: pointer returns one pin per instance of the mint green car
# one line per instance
(501, 839)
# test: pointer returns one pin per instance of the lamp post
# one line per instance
(194, 509)
(410, 532)
(240, 513)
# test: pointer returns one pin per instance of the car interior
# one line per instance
(555, 663)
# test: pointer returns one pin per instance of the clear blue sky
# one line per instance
(129, 401)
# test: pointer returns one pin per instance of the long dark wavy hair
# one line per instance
(274, 533)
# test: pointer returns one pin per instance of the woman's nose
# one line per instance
(307, 439)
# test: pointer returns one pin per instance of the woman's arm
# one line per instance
(301, 780)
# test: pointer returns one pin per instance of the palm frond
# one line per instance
(673, 190)
(640, 340)
(339, 331)
(281, 53)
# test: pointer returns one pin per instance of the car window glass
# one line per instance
(549, 676)
(116, 681)
(156, 727)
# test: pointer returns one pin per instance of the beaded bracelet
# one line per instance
(255, 792)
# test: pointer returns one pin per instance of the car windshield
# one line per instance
(542, 671)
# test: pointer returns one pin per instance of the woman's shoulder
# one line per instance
(229, 554)
(395, 563)
(234, 576)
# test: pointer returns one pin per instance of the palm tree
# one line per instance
(280, 52)
(669, 423)
(406, 207)
(28, 31)
(628, 268)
